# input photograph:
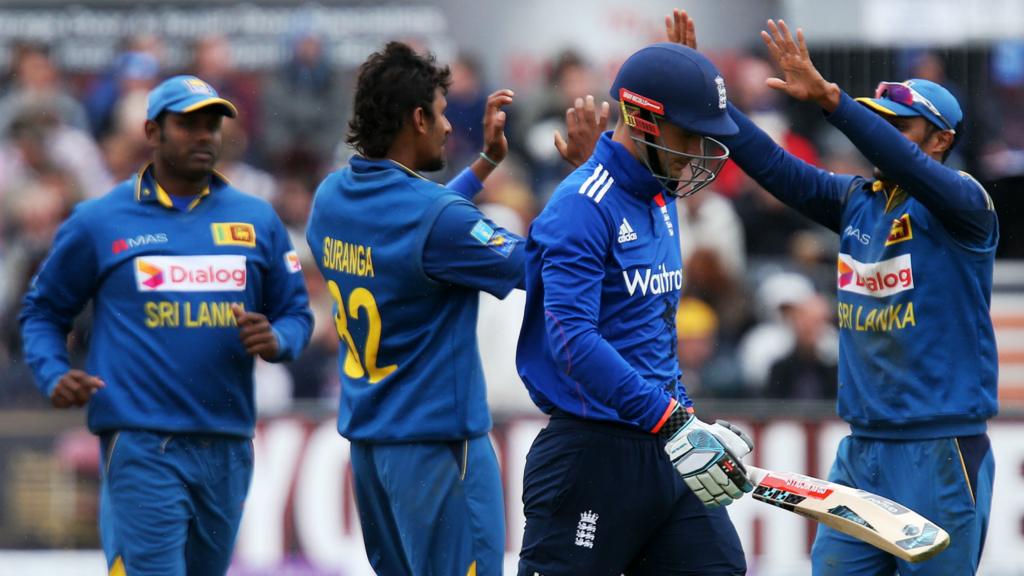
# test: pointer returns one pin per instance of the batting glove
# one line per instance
(708, 457)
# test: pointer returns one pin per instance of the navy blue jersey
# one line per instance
(603, 279)
(162, 281)
(914, 277)
(404, 259)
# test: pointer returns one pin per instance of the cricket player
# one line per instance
(917, 364)
(598, 347)
(190, 279)
(405, 259)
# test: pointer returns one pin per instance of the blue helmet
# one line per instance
(671, 83)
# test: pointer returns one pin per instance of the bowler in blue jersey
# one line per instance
(405, 259)
(190, 280)
(917, 354)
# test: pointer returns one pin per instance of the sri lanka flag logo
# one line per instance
(845, 274)
(156, 275)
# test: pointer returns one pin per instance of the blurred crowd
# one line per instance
(757, 317)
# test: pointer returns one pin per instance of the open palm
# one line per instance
(801, 79)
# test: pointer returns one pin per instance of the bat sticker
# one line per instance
(926, 538)
(844, 512)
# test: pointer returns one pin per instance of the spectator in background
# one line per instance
(709, 368)
(245, 176)
(708, 279)
(708, 220)
(134, 71)
(773, 337)
(769, 226)
(213, 62)
(571, 78)
(32, 212)
(139, 58)
(467, 99)
(38, 143)
(305, 106)
(810, 370)
(38, 82)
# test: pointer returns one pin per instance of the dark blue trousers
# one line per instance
(602, 498)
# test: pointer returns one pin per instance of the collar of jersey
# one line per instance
(148, 190)
(364, 164)
(629, 173)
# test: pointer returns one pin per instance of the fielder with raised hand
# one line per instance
(917, 363)
(405, 259)
(598, 346)
(190, 279)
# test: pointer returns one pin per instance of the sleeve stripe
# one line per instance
(664, 417)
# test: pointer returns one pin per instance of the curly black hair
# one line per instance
(392, 84)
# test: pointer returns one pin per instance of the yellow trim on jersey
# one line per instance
(138, 182)
(472, 569)
(117, 568)
(963, 466)
(165, 199)
(410, 171)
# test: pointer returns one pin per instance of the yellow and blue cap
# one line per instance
(927, 99)
(184, 94)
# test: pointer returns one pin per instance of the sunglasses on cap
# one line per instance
(901, 93)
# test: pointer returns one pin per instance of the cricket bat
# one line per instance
(868, 517)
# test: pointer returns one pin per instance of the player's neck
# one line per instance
(176, 184)
(404, 151)
(622, 136)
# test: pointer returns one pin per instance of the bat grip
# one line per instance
(755, 474)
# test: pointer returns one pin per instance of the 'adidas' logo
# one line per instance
(626, 233)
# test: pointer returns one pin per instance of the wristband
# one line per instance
(676, 420)
(488, 159)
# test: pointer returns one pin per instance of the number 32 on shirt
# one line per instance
(359, 365)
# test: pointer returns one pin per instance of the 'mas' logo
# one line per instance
(122, 244)
(656, 282)
(878, 279)
(223, 273)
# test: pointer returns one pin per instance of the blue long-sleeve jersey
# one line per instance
(404, 259)
(164, 339)
(914, 277)
(603, 279)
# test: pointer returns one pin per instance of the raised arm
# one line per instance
(470, 181)
(955, 198)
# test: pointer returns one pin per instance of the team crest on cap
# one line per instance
(722, 99)
(198, 86)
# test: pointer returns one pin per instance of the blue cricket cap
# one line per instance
(941, 100)
(678, 83)
(184, 94)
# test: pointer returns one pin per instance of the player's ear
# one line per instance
(420, 121)
(152, 129)
(941, 141)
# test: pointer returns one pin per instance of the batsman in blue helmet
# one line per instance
(597, 351)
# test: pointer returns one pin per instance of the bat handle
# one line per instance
(755, 474)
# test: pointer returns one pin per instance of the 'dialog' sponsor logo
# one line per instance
(123, 244)
(878, 279)
(214, 273)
